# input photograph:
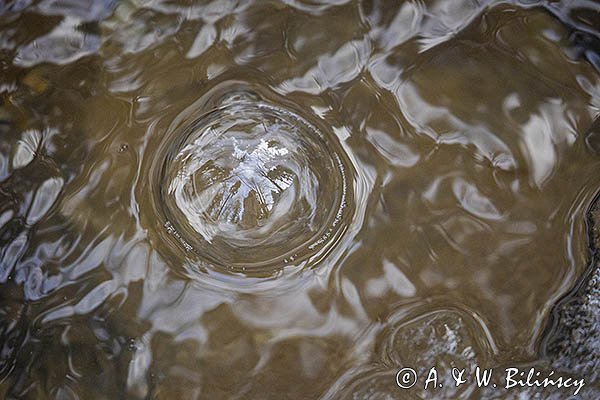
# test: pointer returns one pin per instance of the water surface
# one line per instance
(294, 199)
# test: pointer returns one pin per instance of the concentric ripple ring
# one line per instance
(250, 187)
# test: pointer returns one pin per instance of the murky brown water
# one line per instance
(268, 200)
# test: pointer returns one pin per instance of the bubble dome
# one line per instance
(252, 187)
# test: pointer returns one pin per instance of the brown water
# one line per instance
(268, 200)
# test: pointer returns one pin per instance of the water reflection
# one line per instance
(461, 128)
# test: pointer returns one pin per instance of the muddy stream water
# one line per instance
(288, 199)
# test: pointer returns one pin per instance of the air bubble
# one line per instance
(251, 187)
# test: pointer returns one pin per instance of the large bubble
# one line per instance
(251, 187)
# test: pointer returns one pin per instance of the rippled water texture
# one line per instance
(268, 200)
